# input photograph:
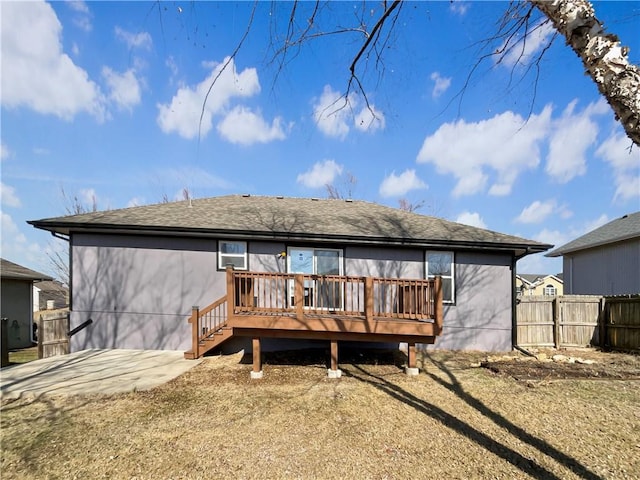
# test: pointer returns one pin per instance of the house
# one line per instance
(49, 295)
(17, 300)
(605, 261)
(305, 269)
(528, 284)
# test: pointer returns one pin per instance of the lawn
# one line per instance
(23, 355)
(454, 420)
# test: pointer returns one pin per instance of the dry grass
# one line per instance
(23, 355)
(452, 421)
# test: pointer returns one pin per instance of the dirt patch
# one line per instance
(566, 364)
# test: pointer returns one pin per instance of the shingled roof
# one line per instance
(624, 228)
(261, 217)
(13, 271)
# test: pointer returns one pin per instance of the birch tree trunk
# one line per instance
(602, 55)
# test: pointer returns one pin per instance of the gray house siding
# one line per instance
(139, 290)
(612, 269)
(481, 318)
(17, 307)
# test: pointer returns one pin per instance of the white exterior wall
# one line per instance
(608, 270)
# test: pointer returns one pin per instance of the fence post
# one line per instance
(40, 337)
(602, 322)
(556, 322)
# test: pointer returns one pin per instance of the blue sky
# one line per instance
(103, 100)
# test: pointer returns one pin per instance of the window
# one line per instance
(441, 264)
(550, 290)
(232, 253)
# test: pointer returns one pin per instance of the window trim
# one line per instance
(222, 264)
(452, 276)
(549, 287)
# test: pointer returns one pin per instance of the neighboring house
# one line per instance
(304, 269)
(539, 284)
(605, 261)
(17, 302)
(49, 295)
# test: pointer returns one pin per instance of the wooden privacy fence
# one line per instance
(53, 338)
(578, 321)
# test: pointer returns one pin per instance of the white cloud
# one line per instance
(8, 195)
(624, 159)
(471, 218)
(124, 88)
(441, 84)
(14, 243)
(458, 7)
(572, 135)
(4, 152)
(559, 238)
(82, 18)
(245, 127)
(369, 119)
(334, 114)
(398, 185)
(331, 113)
(136, 202)
(525, 49)
(321, 174)
(182, 115)
(539, 211)
(140, 40)
(506, 144)
(35, 71)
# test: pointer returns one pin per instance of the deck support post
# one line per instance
(411, 360)
(334, 372)
(257, 359)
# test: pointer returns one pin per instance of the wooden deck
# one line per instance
(330, 307)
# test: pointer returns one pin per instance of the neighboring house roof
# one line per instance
(533, 278)
(52, 287)
(13, 271)
(624, 228)
(281, 218)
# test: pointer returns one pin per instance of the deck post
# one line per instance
(439, 314)
(298, 296)
(411, 360)
(231, 293)
(368, 299)
(257, 359)
(334, 372)
(195, 334)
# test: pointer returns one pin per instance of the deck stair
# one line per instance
(212, 322)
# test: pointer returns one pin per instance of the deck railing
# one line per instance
(300, 294)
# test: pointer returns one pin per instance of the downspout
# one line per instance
(514, 320)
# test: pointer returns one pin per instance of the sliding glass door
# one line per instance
(323, 293)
